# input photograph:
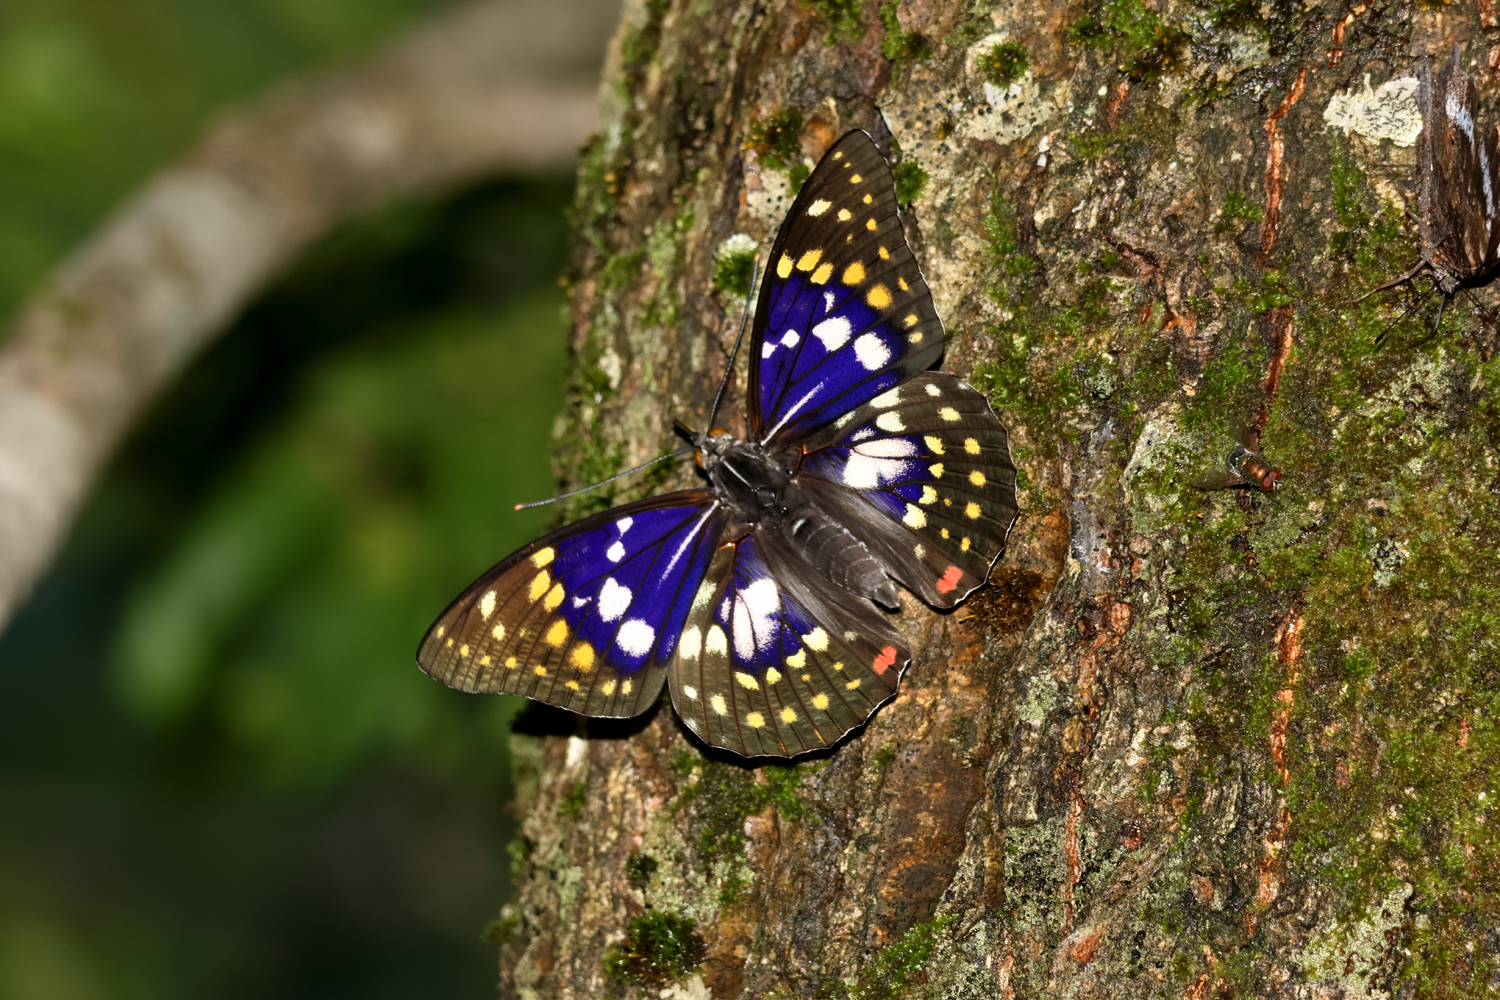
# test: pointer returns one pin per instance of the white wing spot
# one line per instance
(717, 704)
(888, 448)
(624, 524)
(887, 399)
(691, 644)
(818, 207)
(716, 641)
(933, 389)
(871, 351)
(615, 552)
(834, 332)
(890, 421)
(635, 637)
(915, 517)
(816, 640)
(614, 600)
(690, 691)
(487, 605)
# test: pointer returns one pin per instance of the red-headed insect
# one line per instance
(1244, 465)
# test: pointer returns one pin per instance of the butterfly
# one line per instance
(1244, 465)
(754, 597)
(1458, 182)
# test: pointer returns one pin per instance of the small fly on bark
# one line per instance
(1244, 465)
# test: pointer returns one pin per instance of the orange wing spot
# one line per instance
(949, 581)
(886, 658)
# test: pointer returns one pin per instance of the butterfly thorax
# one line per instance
(763, 493)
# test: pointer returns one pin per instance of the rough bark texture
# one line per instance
(484, 89)
(1184, 744)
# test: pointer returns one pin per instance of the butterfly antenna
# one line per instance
(605, 482)
(1397, 321)
(734, 351)
(1392, 283)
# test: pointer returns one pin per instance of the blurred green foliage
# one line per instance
(224, 774)
(96, 94)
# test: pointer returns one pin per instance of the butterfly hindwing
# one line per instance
(775, 662)
(586, 618)
(844, 313)
(922, 474)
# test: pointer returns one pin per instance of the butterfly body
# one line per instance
(751, 598)
(1458, 173)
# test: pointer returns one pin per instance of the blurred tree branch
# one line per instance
(482, 89)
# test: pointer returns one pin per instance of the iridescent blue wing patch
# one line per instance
(844, 313)
(775, 662)
(921, 474)
(586, 618)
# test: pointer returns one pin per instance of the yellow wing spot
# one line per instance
(744, 680)
(867, 199)
(484, 661)
(510, 663)
(784, 267)
(838, 666)
(928, 495)
(971, 446)
(625, 687)
(755, 720)
(820, 702)
(977, 478)
(608, 687)
(936, 469)
(583, 656)
(947, 501)
(872, 225)
(948, 413)
(809, 260)
(772, 675)
(839, 156)
(934, 443)
(539, 585)
(557, 634)
(853, 684)
(797, 660)
(449, 643)
(964, 545)
(463, 651)
(543, 557)
(498, 631)
(972, 511)
(822, 274)
(554, 598)
(911, 321)
(442, 630)
(878, 296)
(816, 640)
(901, 283)
(844, 215)
(818, 207)
(806, 678)
(572, 685)
(945, 534)
(884, 253)
(788, 716)
(540, 671)
(915, 338)
(855, 179)
(854, 274)
(717, 704)
(914, 517)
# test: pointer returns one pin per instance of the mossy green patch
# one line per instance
(639, 868)
(844, 21)
(721, 799)
(733, 270)
(775, 139)
(573, 800)
(660, 949)
(1143, 45)
(900, 44)
(900, 963)
(1004, 64)
(910, 180)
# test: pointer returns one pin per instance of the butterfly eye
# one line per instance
(765, 496)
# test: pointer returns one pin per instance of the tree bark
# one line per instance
(1185, 743)
(483, 89)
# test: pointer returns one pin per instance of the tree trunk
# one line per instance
(1185, 743)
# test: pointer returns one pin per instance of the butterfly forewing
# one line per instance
(1459, 180)
(587, 618)
(844, 313)
(925, 480)
(767, 668)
